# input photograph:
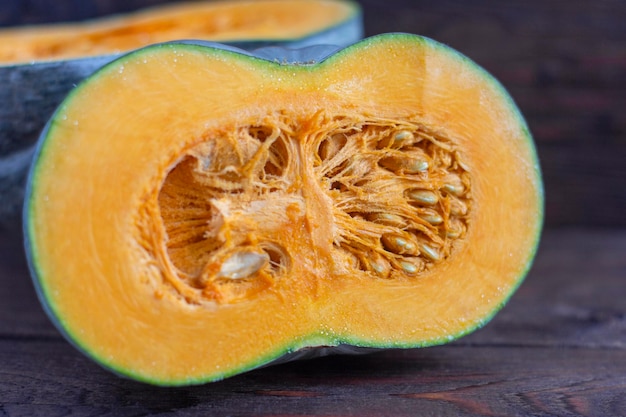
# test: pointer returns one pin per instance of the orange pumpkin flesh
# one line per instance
(195, 212)
(248, 22)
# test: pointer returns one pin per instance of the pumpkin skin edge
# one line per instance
(304, 341)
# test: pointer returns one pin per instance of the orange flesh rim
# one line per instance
(268, 20)
(114, 140)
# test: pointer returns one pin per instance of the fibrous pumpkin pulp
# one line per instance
(195, 211)
(40, 64)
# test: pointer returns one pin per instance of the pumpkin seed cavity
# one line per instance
(399, 195)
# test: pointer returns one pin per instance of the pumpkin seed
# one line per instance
(408, 163)
(411, 266)
(425, 197)
(388, 219)
(242, 264)
(429, 252)
(456, 229)
(431, 216)
(457, 207)
(378, 264)
(400, 139)
(453, 185)
(400, 244)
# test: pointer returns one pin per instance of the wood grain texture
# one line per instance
(49, 378)
(557, 349)
(563, 62)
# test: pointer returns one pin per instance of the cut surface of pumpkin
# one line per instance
(245, 23)
(194, 212)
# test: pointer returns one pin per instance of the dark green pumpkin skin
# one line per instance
(313, 54)
(29, 93)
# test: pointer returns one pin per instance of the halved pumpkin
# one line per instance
(40, 64)
(194, 212)
(244, 23)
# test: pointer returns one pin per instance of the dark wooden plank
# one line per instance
(570, 309)
(565, 65)
(563, 62)
(50, 379)
(20, 312)
(558, 348)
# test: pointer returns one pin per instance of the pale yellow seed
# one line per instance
(399, 244)
(411, 266)
(398, 140)
(456, 229)
(453, 185)
(425, 197)
(388, 219)
(431, 216)
(429, 252)
(412, 162)
(458, 207)
(243, 264)
(459, 161)
(402, 136)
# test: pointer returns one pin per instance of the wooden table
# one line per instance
(557, 349)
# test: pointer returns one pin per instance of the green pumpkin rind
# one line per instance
(314, 344)
(31, 92)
